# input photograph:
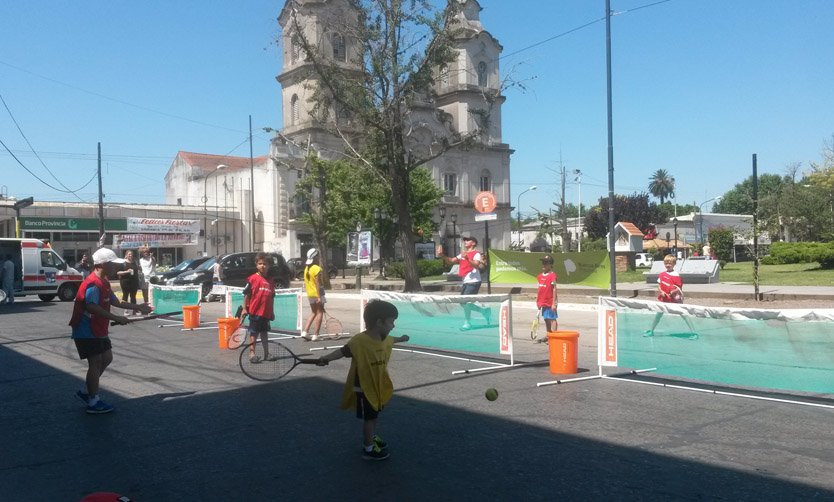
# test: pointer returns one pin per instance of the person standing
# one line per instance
(90, 323)
(129, 278)
(669, 290)
(315, 294)
(368, 387)
(7, 280)
(147, 262)
(258, 296)
(84, 266)
(469, 263)
(547, 301)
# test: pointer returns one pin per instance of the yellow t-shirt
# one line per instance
(370, 360)
(310, 275)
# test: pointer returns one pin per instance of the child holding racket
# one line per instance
(258, 295)
(90, 323)
(368, 386)
(669, 290)
(547, 301)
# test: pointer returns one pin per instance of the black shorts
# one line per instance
(258, 324)
(364, 409)
(92, 346)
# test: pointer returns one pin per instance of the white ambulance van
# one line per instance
(38, 270)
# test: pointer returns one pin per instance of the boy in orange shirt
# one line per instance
(547, 301)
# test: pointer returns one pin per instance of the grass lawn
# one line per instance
(797, 274)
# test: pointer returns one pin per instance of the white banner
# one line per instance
(163, 226)
(136, 241)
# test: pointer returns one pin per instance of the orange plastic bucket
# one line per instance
(226, 327)
(564, 347)
(191, 317)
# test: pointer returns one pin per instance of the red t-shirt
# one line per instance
(544, 298)
(262, 291)
(464, 267)
(671, 284)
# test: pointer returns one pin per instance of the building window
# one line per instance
(294, 110)
(338, 42)
(486, 182)
(482, 74)
(450, 184)
(295, 49)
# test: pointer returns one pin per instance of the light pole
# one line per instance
(445, 227)
(518, 211)
(379, 216)
(675, 225)
(701, 216)
(455, 232)
(205, 206)
(578, 174)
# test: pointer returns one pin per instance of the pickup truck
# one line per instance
(38, 270)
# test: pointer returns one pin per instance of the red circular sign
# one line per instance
(485, 202)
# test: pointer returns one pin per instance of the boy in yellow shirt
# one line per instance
(368, 386)
(315, 294)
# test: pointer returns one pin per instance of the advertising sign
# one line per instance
(136, 241)
(513, 267)
(163, 226)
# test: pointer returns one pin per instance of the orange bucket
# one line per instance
(564, 347)
(226, 327)
(191, 317)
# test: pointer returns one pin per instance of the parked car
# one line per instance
(234, 269)
(297, 266)
(643, 260)
(183, 266)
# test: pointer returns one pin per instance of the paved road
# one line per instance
(190, 426)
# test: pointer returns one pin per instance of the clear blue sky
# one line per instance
(699, 85)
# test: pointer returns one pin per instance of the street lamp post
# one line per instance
(455, 232)
(379, 216)
(205, 206)
(518, 210)
(701, 216)
(445, 227)
(675, 225)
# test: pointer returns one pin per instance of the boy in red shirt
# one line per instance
(547, 301)
(669, 290)
(258, 295)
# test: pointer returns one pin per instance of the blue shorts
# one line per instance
(258, 324)
(548, 313)
(470, 288)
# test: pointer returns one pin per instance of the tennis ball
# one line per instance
(491, 394)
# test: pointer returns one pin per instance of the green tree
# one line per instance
(721, 239)
(396, 49)
(345, 193)
(633, 208)
(739, 200)
(662, 185)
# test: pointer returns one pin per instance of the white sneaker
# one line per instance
(314, 338)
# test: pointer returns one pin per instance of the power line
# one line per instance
(39, 179)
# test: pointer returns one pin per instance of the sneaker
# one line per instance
(380, 443)
(83, 396)
(99, 408)
(306, 336)
(466, 326)
(314, 338)
(648, 332)
(376, 453)
(255, 359)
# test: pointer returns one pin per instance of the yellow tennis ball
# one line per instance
(491, 394)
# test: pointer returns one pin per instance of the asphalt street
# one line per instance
(190, 426)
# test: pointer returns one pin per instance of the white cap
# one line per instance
(105, 255)
(312, 253)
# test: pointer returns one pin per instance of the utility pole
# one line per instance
(252, 183)
(100, 202)
(612, 262)
(578, 179)
(563, 216)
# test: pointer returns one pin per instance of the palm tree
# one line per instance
(662, 185)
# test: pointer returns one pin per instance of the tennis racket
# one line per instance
(272, 363)
(238, 338)
(147, 317)
(2, 296)
(534, 328)
(332, 326)
(671, 289)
